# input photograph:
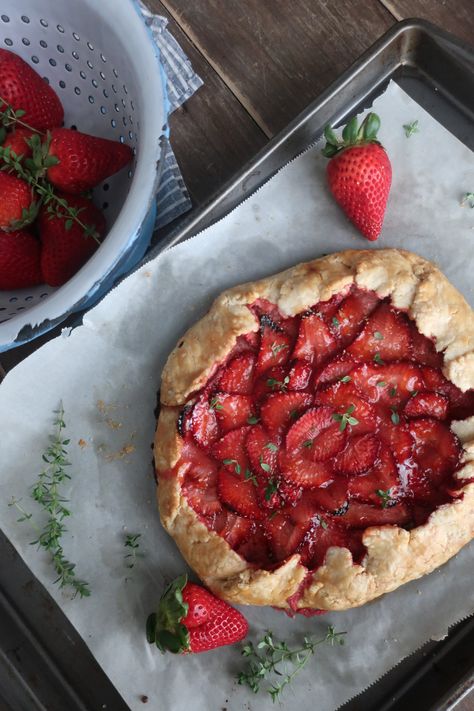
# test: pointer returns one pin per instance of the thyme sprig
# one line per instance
(345, 418)
(33, 171)
(47, 494)
(9, 117)
(269, 656)
(132, 542)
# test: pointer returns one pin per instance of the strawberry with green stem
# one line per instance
(359, 173)
(23, 90)
(191, 619)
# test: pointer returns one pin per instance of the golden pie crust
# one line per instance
(394, 555)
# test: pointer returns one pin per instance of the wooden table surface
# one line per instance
(262, 62)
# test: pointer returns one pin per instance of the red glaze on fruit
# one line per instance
(292, 450)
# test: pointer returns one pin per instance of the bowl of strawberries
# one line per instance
(82, 118)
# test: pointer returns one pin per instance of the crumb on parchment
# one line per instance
(113, 424)
(106, 410)
(122, 453)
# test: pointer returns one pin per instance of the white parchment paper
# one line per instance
(115, 360)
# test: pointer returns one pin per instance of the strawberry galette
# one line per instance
(315, 444)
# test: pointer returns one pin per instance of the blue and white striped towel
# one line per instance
(181, 83)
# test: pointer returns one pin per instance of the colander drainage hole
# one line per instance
(43, 44)
(26, 41)
(105, 186)
(8, 42)
(25, 19)
(105, 205)
(12, 299)
(5, 18)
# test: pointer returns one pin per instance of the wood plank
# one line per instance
(454, 16)
(212, 134)
(277, 55)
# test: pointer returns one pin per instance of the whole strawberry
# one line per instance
(19, 260)
(16, 141)
(83, 160)
(17, 203)
(25, 90)
(66, 245)
(359, 174)
(191, 619)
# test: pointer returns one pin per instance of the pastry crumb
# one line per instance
(113, 424)
(144, 699)
(82, 443)
(125, 451)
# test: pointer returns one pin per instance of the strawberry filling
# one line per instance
(318, 426)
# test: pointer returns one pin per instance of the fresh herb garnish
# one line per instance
(345, 418)
(132, 542)
(411, 128)
(393, 391)
(468, 199)
(322, 522)
(413, 393)
(215, 404)
(274, 662)
(378, 359)
(381, 384)
(253, 419)
(293, 414)
(266, 467)
(249, 476)
(230, 462)
(308, 443)
(282, 384)
(33, 171)
(378, 336)
(272, 447)
(271, 488)
(335, 322)
(277, 347)
(385, 496)
(46, 492)
(345, 379)
(395, 417)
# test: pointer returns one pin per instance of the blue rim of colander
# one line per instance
(132, 252)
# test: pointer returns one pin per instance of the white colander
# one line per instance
(101, 60)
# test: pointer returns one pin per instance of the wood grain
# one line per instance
(278, 55)
(456, 16)
(212, 134)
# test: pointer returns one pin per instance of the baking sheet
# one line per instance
(107, 373)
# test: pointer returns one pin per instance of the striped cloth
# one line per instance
(181, 83)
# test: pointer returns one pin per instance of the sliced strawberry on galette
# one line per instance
(238, 375)
(385, 337)
(314, 448)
